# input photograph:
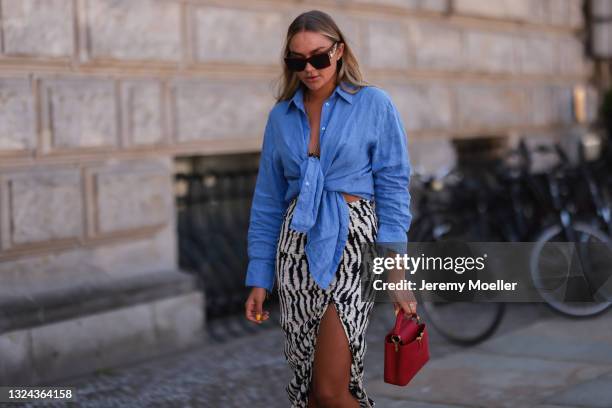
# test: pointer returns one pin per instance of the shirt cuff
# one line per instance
(394, 238)
(260, 274)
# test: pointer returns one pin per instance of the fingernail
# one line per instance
(258, 316)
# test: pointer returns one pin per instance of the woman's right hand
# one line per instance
(254, 306)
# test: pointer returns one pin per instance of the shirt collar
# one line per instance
(298, 97)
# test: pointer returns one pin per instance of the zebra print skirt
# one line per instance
(303, 302)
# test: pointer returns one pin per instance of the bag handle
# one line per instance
(399, 318)
(395, 337)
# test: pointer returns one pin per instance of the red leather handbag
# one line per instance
(406, 349)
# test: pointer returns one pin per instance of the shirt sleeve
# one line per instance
(391, 173)
(267, 210)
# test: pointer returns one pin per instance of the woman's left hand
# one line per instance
(403, 299)
(407, 307)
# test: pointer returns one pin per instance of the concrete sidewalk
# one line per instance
(555, 363)
(537, 359)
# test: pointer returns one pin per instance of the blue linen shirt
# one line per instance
(363, 152)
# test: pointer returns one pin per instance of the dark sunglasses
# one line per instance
(318, 61)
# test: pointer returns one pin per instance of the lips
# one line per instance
(311, 78)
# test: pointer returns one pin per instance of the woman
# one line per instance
(333, 176)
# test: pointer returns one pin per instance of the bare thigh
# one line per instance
(332, 362)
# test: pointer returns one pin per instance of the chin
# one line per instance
(316, 85)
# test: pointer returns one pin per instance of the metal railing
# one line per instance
(213, 205)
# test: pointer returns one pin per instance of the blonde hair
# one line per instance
(347, 68)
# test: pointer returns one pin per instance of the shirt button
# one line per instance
(307, 183)
(326, 103)
(323, 128)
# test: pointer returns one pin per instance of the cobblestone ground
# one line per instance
(249, 371)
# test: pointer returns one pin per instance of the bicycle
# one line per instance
(551, 264)
(462, 323)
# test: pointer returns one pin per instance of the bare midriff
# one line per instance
(350, 198)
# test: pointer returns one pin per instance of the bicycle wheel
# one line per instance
(462, 323)
(566, 275)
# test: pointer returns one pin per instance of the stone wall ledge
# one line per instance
(24, 310)
(60, 335)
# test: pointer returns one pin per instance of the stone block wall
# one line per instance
(111, 78)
